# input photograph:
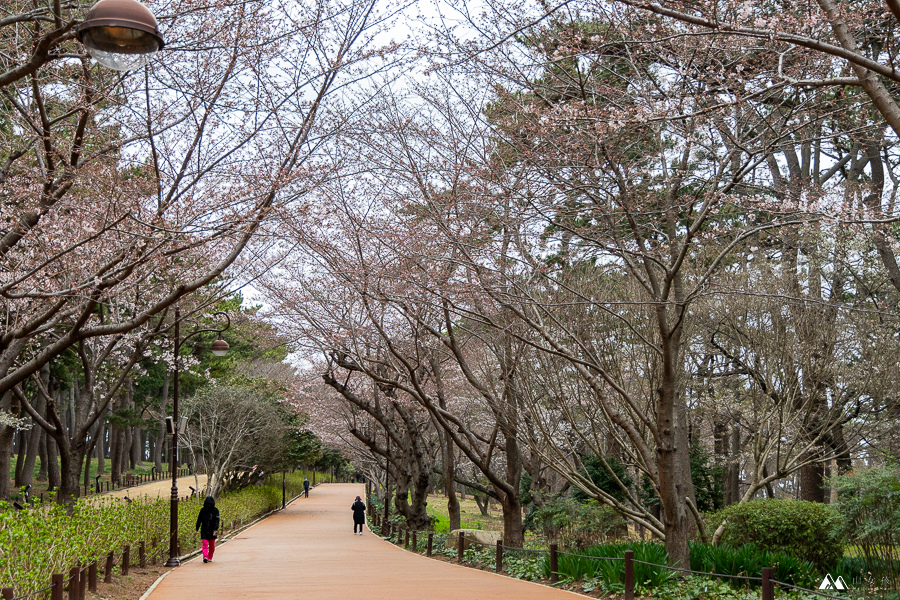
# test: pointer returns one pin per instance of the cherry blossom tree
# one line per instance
(136, 190)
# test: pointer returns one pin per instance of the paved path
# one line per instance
(155, 489)
(309, 551)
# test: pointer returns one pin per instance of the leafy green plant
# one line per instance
(38, 542)
(480, 555)
(749, 560)
(869, 501)
(600, 476)
(806, 530)
(705, 588)
(707, 478)
(593, 563)
(523, 565)
(574, 523)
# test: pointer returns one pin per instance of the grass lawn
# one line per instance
(470, 516)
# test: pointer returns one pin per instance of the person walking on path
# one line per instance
(306, 486)
(359, 515)
(208, 524)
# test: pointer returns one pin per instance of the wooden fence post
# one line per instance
(554, 563)
(406, 539)
(499, 566)
(768, 589)
(461, 547)
(73, 583)
(92, 577)
(126, 556)
(58, 581)
(430, 542)
(142, 559)
(82, 583)
(107, 574)
(629, 575)
(414, 540)
(7, 593)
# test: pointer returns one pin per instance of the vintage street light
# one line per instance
(219, 348)
(120, 34)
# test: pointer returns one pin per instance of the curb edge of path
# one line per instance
(190, 556)
(458, 565)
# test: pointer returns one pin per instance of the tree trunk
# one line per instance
(6, 440)
(42, 452)
(101, 446)
(70, 469)
(482, 503)
(32, 448)
(449, 472)
(673, 490)
(53, 475)
(116, 440)
(513, 528)
(137, 446)
(387, 494)
(732, 474)
(161, 427)
(21, 444)
(453, 508)
(127, 455)
(86, 482)
(812, 480)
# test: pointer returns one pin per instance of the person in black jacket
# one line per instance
(359, 515)
(208, 524)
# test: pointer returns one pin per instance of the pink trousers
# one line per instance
(209, 546)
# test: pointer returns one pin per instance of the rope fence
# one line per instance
(703, 573)
(816, 592)
(83, 578)
(404, 536)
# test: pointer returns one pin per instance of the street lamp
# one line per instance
(120, 34)
(219, 348)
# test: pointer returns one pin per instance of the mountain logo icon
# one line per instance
(830, 583)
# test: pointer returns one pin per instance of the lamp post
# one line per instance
(219, 348)
(120, 34)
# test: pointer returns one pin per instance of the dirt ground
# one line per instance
(130, 587)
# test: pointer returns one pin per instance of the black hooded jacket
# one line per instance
(208, 519)
(359, 512)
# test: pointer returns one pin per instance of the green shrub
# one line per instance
(749, 560)
(574, 524)
(707, 478)
(611, 573)
(594, 470)
(869, 501)
(37, 542)
(806, 530)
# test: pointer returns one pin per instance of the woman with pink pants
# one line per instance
(208, 524)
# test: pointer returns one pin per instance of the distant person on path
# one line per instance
(359, 515)
(208, 524)
(306, 486)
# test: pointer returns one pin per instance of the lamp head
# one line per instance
(219, 347)
(120, 34)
